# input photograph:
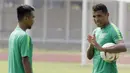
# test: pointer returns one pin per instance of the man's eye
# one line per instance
(99, 15)
(94, 16)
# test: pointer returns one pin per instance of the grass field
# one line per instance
(50, 67)
(60, 67)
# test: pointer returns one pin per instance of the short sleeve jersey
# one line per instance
(20, 45)
(108, 34)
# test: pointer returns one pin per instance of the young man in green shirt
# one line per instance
(106, 32)
(20, 43)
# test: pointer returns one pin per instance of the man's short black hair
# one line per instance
(101, 7)
(24, 10)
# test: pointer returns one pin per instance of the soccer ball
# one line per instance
(109, 57)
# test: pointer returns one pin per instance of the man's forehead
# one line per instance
(98, 12)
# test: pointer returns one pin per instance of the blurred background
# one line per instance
(57, 32)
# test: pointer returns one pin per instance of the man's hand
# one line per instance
(92, 40)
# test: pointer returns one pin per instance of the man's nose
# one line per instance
(96, 19)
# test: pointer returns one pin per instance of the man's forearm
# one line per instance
(27, 66)
(120, 47)
(117, 48)
(90, 52)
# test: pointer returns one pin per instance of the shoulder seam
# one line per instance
(118, 33)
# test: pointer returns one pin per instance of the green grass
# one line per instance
(57, 67)
(50, 67)
(3, 66)
(60, 68)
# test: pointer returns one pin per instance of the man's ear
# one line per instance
(107, 14)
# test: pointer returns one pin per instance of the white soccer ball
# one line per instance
(109, 57)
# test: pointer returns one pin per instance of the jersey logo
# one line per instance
(103, 35)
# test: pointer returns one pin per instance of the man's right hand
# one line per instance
(89, 38)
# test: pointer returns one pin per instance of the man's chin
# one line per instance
(98, 25)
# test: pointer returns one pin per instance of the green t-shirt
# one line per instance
(20, 45)
(108, 34)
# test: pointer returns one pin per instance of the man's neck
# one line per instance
(22, 26)
(105, 25)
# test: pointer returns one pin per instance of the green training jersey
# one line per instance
(20, 45)
(108, 34)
